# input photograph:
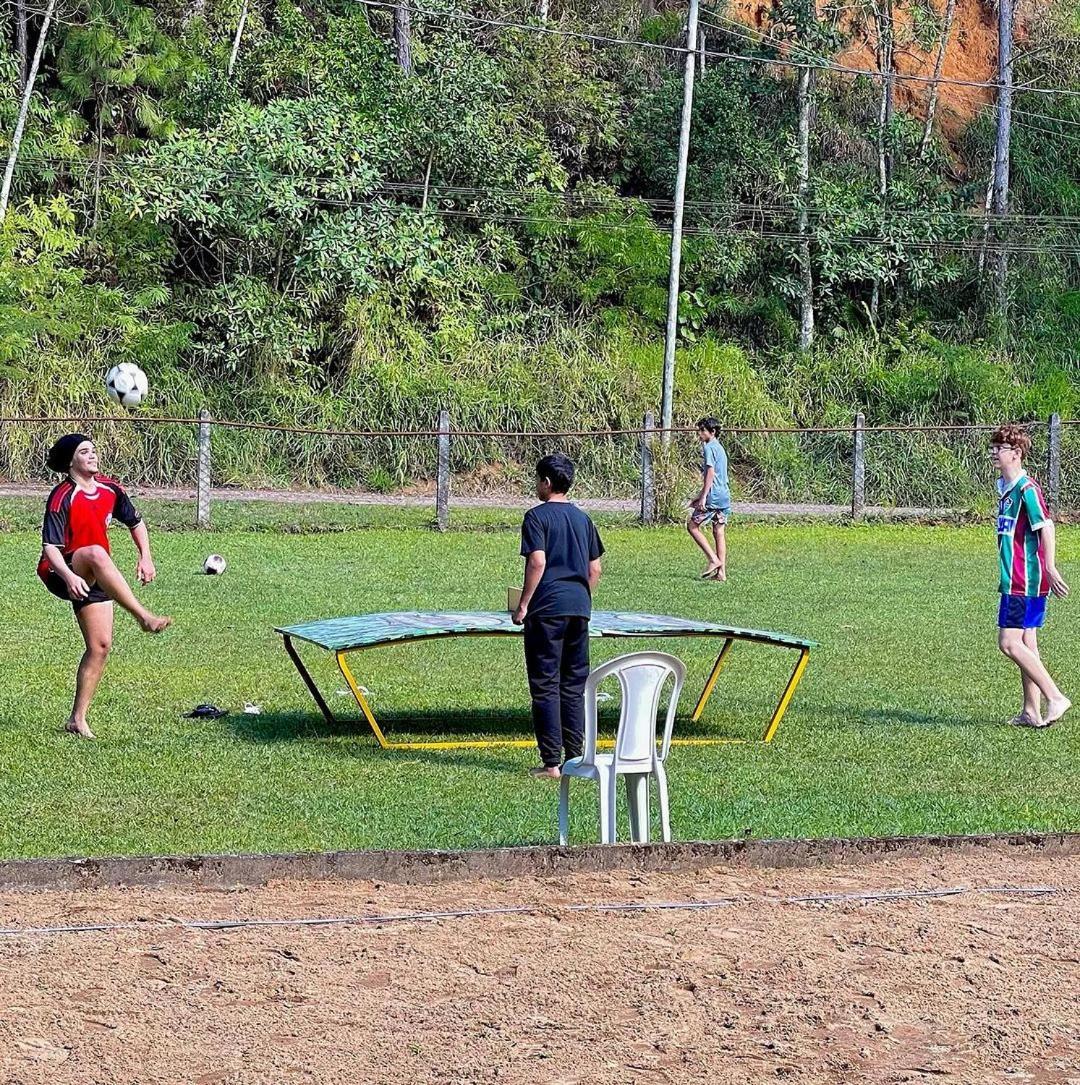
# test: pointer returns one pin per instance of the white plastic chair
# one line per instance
(642, 676)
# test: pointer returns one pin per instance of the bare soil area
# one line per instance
(979, 985)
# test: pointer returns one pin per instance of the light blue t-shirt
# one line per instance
(714, 456)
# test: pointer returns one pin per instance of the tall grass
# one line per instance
(566, 379)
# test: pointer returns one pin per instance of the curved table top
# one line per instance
(367, 630)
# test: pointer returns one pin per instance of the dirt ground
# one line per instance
(974, 986)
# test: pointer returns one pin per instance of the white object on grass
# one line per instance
(127, 384)
(214, 565)
(252, 709)
(642, 676)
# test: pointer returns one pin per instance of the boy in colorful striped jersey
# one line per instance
(1028, 574)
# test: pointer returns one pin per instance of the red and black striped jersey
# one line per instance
(75, 518)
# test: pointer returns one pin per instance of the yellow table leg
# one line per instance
(361, 700)
(782, 707)
(706, 693)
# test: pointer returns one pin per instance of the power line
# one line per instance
(733, 228)
(600, 202)
(715, 54)
(605, 39)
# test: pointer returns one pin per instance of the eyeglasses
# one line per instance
(994, 449)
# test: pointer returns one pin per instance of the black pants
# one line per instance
(557, 662)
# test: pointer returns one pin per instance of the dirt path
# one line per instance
(760, 510)
(976, 986)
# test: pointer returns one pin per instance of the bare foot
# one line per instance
(1056, 709)
(710, 572)
(718, 574)
(545, 772)
(78, 727)
(153, 624)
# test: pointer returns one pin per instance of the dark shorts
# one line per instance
(701, 517)
(58, 588)
(1022, 612)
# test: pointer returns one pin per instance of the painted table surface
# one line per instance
(367, 630)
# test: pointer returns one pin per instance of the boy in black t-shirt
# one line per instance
(562, 552)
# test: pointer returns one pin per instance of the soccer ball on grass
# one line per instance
(126, 383)
(214, 565)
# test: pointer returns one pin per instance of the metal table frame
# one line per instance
(729, 635)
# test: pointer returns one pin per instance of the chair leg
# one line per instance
(564, 810)
(612, 794)
(661, 792)
(637, 798)
(607, 819)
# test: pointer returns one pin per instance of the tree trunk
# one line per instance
(236, 40)
(101, 107)
(22, 41)
(402, 38)
(544, 10)
(999, 204)
(986, 220)
(806, 273)
(24, 109)
(939, 64)
(886, 108)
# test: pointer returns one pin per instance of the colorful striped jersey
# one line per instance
(1022, 513)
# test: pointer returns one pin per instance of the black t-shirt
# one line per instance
(569, 541)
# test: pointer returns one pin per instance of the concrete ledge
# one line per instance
(429, 867)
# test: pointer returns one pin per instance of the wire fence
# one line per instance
(854, 470)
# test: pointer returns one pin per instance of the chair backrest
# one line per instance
(642, 676)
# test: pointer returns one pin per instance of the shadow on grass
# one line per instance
(903, 717)
(421, 726)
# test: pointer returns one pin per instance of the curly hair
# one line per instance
(1012, 434)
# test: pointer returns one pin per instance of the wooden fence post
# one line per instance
(202, 479)
(442, 481)
(858, 468)
(1053, 464)
(648, 475)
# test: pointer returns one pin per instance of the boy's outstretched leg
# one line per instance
(1014, 644)
(95, 566)
(96, 623)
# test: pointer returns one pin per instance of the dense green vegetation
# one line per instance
(322, 238)
(897, 727)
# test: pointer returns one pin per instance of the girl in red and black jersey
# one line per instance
(76, 564)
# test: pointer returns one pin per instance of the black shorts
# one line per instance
(56, 585)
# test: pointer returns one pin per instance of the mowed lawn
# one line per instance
(897, 727)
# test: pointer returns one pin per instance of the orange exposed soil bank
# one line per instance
(971, 54)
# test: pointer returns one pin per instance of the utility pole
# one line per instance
(999, 204)
(806, 271)
(671, 333)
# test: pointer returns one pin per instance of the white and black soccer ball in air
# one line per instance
(126, 383)
(214, 565)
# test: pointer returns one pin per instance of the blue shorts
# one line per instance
(1022, 612)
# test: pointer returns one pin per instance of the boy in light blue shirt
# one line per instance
(713, 503)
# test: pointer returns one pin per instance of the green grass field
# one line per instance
(896, 728)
